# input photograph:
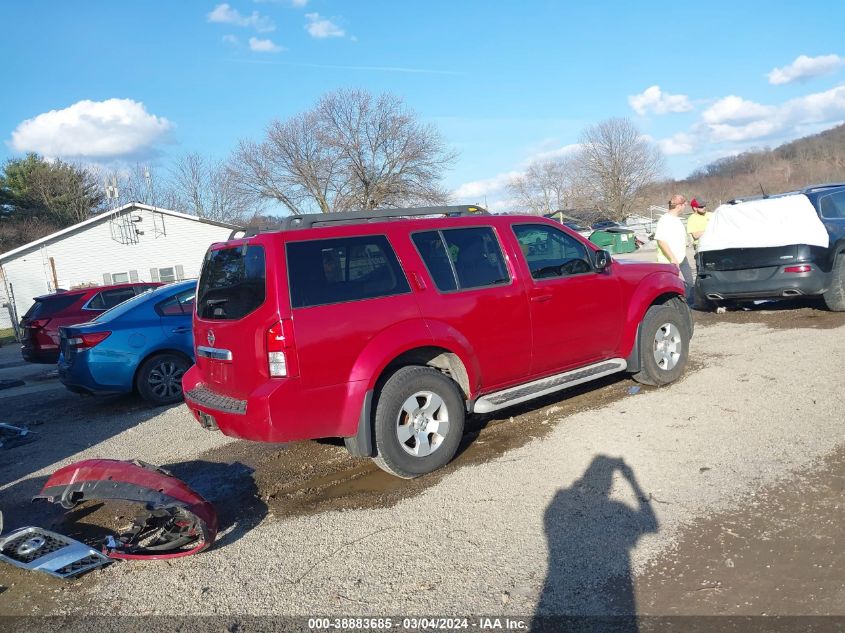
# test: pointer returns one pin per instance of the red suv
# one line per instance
(41, 322)
(387, 327)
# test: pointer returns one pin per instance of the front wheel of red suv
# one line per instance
(664, 346)
(419, 422)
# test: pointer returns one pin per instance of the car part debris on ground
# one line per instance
(55, 554)
(177, 522)
(11, 436)
(633, 391)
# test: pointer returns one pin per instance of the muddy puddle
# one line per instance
(782, 315)
(312, 477)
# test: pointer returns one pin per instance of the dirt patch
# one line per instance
(311, 477)
(781, 554)
(792, 314)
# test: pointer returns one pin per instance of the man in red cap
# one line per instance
(697, 222)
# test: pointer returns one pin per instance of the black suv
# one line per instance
(786, 271)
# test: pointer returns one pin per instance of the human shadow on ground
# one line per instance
(589, 584)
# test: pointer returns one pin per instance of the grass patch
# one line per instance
(7, 335)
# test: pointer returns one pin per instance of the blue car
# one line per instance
(145, 345)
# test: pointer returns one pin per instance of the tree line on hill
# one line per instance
(809, 160)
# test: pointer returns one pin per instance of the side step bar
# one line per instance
(550, 384)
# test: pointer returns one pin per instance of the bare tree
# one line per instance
(207, 188)
(142, 183)
(548, 186)
(617, 163)
(352, 150)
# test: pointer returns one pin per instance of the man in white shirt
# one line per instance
(672, 242)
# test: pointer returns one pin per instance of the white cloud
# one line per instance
(653, 99)
(736, 119)
(560, 152)
(231, 39)
(322, 28)
(298, 3)
(476, 190)
(804, 68)
(225, 14)
(735, 110)
(264, 46)
(91, 129)
(680, 143)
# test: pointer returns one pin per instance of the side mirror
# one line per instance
(601, 260)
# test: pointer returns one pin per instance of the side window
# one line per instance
(460, 259)
(432, 250)
(96, 302)
(111, 298)
(177, 305)
(551, 253)
(832, 206)
(321, 272)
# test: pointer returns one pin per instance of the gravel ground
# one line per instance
(551, 526)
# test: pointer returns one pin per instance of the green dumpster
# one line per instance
(615, 241)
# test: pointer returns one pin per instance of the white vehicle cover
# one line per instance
(762, 223)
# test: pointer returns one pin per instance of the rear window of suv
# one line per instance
(322, 272)
(232, 284)
(48, 306)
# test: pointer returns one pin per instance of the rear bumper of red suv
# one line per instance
(276, 411)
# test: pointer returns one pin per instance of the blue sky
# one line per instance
(505, 82)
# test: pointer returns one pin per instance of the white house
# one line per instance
(135, 242)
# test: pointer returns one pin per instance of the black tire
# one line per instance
(834, 298)
(159, 379)
(702, 303)
(443, 403)
(675, 332)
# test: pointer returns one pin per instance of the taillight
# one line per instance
(803, 268)
(281, 357)
(87, 341)
(38, 324)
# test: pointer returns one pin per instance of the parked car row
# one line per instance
(40, 325)
(387, 328)
(144, 345)
(115, 339)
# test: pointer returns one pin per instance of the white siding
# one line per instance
(84, 257)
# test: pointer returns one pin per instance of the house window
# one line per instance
(120, 278)
(167, 275)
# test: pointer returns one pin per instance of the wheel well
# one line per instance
(437, 357)
(158, 352)
(666, 297)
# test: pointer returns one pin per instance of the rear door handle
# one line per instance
(181, 330)
(540, 298)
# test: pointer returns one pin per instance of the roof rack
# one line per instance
(812, 188)
(345, 217)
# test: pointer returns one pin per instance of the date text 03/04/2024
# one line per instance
(434, 624)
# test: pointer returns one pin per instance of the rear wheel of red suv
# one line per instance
(419, 422)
